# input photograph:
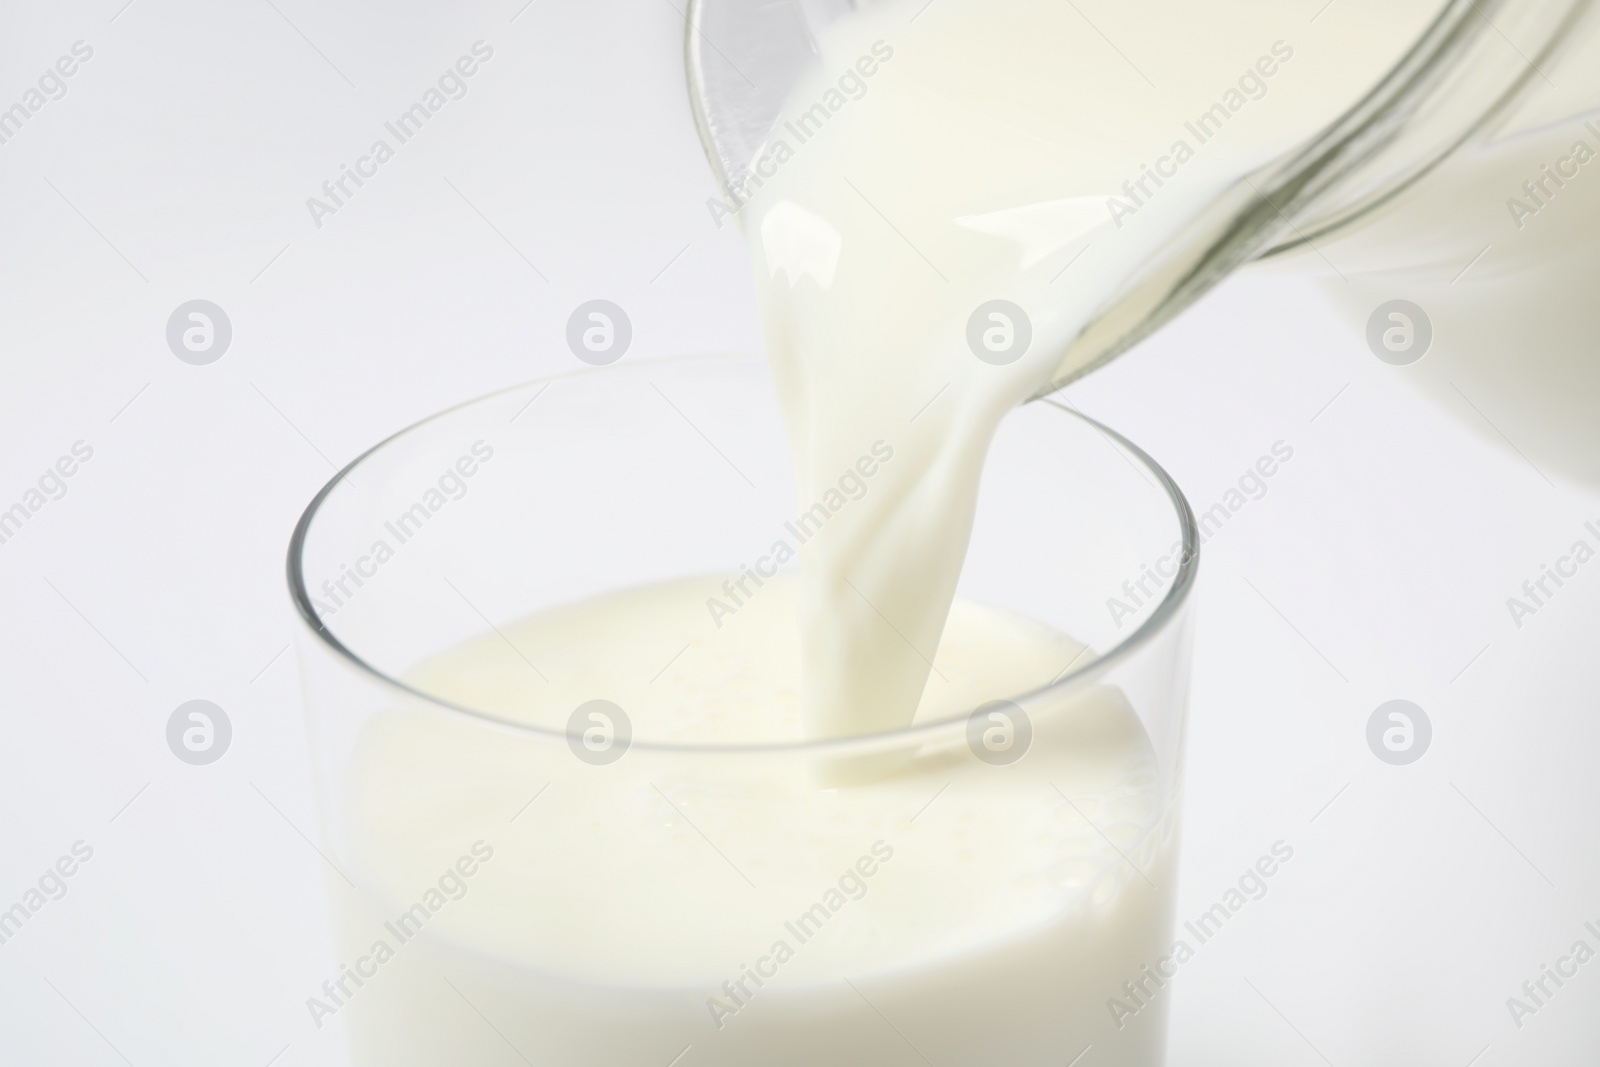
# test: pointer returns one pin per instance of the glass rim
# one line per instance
(1073, 679)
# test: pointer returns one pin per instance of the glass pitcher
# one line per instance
(1456, 186)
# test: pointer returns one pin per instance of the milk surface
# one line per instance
(722, 901)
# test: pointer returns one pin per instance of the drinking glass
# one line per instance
(547, 873)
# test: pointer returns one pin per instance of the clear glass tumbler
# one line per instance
(535, 866)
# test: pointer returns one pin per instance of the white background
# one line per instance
(178, 165)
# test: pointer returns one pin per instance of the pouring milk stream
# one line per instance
(950, 200)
